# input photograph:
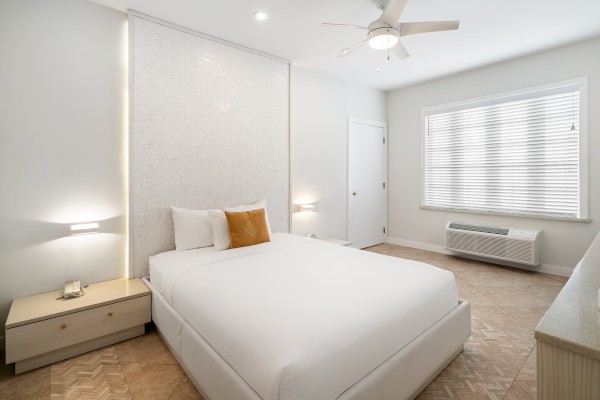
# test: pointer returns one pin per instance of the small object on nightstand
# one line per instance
(72, 289)
(341, 242)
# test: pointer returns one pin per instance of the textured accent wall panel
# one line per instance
(209, 129)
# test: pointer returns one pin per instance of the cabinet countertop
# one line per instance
(573, 320)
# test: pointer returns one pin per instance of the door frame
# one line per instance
(378, 124)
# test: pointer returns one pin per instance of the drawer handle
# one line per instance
(110, 314)
(63, 326)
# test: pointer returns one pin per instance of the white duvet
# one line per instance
(299, 318)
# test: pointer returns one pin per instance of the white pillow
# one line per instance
(218, 221)
(192, 228)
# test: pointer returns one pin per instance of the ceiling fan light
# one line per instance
(383, 39)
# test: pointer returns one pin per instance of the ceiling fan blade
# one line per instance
(411, 28)
(350, 49)
(344, 25)
(392, 12)
(400, 51)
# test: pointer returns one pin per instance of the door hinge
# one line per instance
(384, 229)
(383, 140)
(384, 185)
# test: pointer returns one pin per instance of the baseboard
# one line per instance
(554, 270)
(545, 268)
(418, 245)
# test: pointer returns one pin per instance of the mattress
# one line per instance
(299, 318)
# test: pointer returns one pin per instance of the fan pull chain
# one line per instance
(388, 49)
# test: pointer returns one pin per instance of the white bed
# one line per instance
(298, 318)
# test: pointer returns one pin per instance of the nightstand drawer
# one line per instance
(41, 337)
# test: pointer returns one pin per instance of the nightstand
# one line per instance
(341, 242)
(41, 330)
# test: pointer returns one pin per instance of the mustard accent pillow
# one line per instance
(247, 228)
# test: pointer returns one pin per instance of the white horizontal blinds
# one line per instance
(517, 155)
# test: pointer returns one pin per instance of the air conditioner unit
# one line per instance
(507, 244)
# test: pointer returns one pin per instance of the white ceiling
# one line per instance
(490, 31)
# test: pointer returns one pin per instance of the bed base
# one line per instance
(403, 376)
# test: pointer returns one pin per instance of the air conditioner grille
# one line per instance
(480, 242)
(480, 228)
(463, 241)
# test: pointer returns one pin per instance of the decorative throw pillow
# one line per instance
(218, 222)
(192, 228)
(247, 228)
(256, 206)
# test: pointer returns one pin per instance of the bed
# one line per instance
(298, 318)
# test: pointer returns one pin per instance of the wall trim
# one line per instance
(205, 36)
(418, 245)
(545, 268)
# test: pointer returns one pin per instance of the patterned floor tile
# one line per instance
(95, 375)
(516, 393)
(153, 381)
(29, 385)
(148, 348)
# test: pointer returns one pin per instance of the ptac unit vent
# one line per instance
(480, 228)
(508, 244)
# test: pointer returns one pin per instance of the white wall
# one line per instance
(564, 243)
(320, 107)
(63, 81)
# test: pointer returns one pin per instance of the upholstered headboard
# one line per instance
(209, 128)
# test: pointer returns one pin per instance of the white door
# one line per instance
(367, 182)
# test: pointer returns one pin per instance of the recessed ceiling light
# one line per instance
(261, 15)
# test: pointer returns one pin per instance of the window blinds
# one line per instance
(514, 155)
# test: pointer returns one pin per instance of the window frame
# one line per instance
(581, 83)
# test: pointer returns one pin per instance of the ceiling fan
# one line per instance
(385, 32)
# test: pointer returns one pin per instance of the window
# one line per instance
(519, 153)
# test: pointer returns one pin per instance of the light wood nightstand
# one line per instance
(41, 330)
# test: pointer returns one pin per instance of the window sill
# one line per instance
(530, 216)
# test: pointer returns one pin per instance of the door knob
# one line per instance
(354, 193)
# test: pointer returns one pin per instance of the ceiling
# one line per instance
(490, 31)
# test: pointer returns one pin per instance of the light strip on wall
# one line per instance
(84, 229)
(125, 142)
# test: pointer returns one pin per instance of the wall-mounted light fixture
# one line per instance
(306, 207)
(85, 228)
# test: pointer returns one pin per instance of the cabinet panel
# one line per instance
(44, 336)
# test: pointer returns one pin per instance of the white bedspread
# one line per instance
(170, 260)
(302, 319)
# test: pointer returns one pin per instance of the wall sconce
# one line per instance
(84, 229)
(306, 207)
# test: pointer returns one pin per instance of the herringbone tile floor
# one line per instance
(498, 361)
